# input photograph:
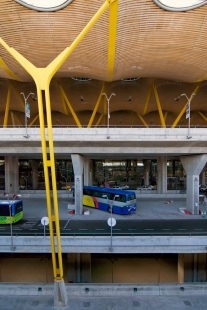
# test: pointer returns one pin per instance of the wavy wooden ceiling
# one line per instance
(167, 48)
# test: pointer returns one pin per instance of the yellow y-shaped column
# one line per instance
(42, 78)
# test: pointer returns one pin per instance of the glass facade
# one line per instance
(114, 172)
(64, 174)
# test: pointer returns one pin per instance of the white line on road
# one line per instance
(66, 223)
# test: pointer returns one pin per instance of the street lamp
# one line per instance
(108, 101)
(27, 110)
(110, 220)
(10, 215)
(187, 110)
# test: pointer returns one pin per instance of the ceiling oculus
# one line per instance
(44, 5)
(180, 5)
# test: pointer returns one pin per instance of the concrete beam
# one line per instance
(130, 244)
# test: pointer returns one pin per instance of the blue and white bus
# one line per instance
(100, 197)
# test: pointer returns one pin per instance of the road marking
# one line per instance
(66, 229)
(33, 229)
(66, 223)
(2, 228)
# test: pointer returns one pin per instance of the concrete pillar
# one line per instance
(86, 170)
(60, 295)
(78, 162)
(203, 176)
(79, 268)
(146, 171)
(11, 175)
(34, 165)
(162, 175)
(193, 165)
(180, 268)
(91, 172)
(201, 275)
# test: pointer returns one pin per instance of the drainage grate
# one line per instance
(187, 303)
(136, 304)
(86, 304)
(35, 303)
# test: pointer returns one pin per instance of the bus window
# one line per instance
(4, 210)
(131, 197)
(121, 198)
(18, 207)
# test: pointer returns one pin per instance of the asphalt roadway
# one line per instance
(123, 227)
(153, 217)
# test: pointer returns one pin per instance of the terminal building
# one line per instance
(109, 91)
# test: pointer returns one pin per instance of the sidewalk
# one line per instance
(147, 208)
(106, 303)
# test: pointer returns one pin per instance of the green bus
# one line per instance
(11, 211)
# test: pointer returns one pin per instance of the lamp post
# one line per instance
(111, 221)
(10, 214)
(108, 117)
(27, 110)
(187, 111)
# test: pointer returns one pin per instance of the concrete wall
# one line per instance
(134, 269)
(195, 268)
(26, 270)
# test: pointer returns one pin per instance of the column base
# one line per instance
(60, 295)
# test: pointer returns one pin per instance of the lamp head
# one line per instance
(33, 97)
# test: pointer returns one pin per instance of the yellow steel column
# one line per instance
(6, 115)
(42, 78)
(147, 100)
(98, 121)
(8, 71)
(162, 120)
(143, 121)
(203, 116)
(96, 107)
(34, 120)
(70, 107)
(112, 38)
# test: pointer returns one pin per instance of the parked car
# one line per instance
(117, 187)
(68, 187)
(203, 188)
(125, 186)
(147, 187)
